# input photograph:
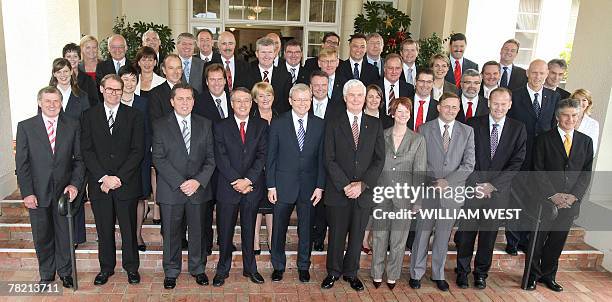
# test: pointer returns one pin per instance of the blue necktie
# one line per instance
(536, 105)
(356, 71)
(301, 134)
(186, 69)
(504, 79)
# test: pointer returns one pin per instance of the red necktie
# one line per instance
(242, 133)
(458, 74)
(228, 74)
(265, 78)
(51, 135)
(419, 119)
(469, 113)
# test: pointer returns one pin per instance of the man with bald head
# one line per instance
(533, 105)
(235, 69)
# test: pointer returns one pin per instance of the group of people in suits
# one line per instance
(319, 138)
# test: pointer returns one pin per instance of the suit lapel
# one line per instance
(346, 128)
(60, 134)
(195, 129)
(176, 131)
(120, 119)
(485, 132)
(235, 131)
(41, 132)
(558, 143)
(250, 131)
(292, 131)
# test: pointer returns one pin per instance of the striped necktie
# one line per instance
(186, 136)
(301, 134)
(51, 135)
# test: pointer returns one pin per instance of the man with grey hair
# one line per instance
(264, 71)
(151, 38)
(562, 162)
(117, 47)
(295, 177)
(193, 67)
(471, 103)
(277, 48)
(556, 72)
(354, 158)
(374, 48)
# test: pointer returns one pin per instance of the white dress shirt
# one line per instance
(121, 63)
(450, 128)
(65, 95)
(499, 128)
(224, 103)
(156, 81)
(405, 68)
(238, 121)
(128, 102)
(204, 57)
(296, 124)
(319, 106)
(452, 61)
(269, 70)
(180, 119)
(464, 103)
(232, 66)
(562, 134)
(509, 71)
(387, 89)
(359, 66)
(590, 127)
(47, 119)
(487, 90)
(297, 70)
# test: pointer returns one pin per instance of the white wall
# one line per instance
(33, 38)
(155, 11)
(553, 28)
(8, 181)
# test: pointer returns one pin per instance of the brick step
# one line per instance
(15, 256)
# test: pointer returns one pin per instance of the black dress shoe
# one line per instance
(511, 250)
(462, 281)
(391, 286)
(376, 283)
(208, 251)
(328, 282)
(255, 277)
(304, 275)
(277, 275)
(441, 284)
(46, 280)
(169, 283)
(318, 246)
(531, 284)
(414, 283)
(67, 281)
(257, 252)
(156, 221)
(552, 285)
(354, 282)
(480, 282)
(102, 278)
(201, 279)
(142, 247)
(218, 281)
(133, 277)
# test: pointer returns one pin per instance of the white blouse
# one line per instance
(156, 81)
(590, 127)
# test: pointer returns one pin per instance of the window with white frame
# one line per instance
(526, 32)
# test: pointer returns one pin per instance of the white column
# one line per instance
(8, 182)
(177, 16)
(350, 10)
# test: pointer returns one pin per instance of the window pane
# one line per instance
(279, 10)
(235, 9)
(329, 11)
(527, 40)
(207, 9)
(263, 10)
(529, 6)
(527, 22)
(323, 11)
(294, 10)
(316, 8)
(314, 43)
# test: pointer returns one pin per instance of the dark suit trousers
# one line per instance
(208, 222)
(174, 217)
(106, 211)
(282, 215)
(549, 245)
(51, 241)
(319, 229)
(465, 237)
(227, 214)
(346, 220)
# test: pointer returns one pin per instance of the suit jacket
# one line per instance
(507, 161)
(455, 165)
(280, 81)
(345, 163)
(337, 98)
(522, 110)
(295, 174)
(405, 89)
(369, 74)
(119, 154)
(175, 165)
(301, 76)
(205, 106)
(381, 72)
(558, 173)
(310, 65)
(88, 85)
(518, 77)
(467, 64)
(482, 109)
(236, 160)
(195, 74)
(142, 105)
(563, 94)
(106, 67)
(330, 111)
(77, 105)
(159, 101)
(241, 74)
(403, 76)
(40, 172)
(432, 112)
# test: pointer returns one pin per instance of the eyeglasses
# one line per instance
(333, 43)
(301, 100)
(328, 62)
(112, 91)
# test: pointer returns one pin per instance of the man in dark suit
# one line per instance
(193, 67)
(490, 78)
(330, 40)
(49, 163)
(205, 45)
(184, 158)
(112, 142)
(356, 67)
(409, 52)
(240, 152)
(236, 70)
(354, 159)
(374, 48)
(328, 63)
(117, 47)
(295, 178)
(500, 144)
(151, 39)
(562, 162)
(533, 105)
(292, 62)
(159, 97)
(425, 106)
(512, 76)
(264, 71)
(214, 104)
(392, 86)
(459, 64)
(471, 103)
(556, 73)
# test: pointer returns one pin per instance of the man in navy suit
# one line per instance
(392, 87)
(356, 66)
(556, 72)
(330, 40)
(511, 76)
(459, 64)
(295, 177)
(533, 105)
(236, 70)
(292, 63)
(240, 153)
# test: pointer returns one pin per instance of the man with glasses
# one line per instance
(328, 63)
(117, 47)
(425, 107)
(112, 144)
(471, 103)
(330, 40)
(293, 62)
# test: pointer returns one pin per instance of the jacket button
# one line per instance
(394, 157)
(393, 169)
(112, 156)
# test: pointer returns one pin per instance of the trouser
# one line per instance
(227, 215)
(391, 234)
(51, 241)
(486, 230)
(282, 215)
(350, 220)
(320, 223)
(418, 260)
(549, 245)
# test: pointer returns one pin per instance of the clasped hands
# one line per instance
(563, 200)
(354, 189)
(242, 186)
(189, 187)
(110, 182)
(484, 190)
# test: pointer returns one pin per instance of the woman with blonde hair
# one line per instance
(586, 124)
(89, 55)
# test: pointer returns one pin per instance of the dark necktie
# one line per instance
(228, 75)
(391, 95)
(301, 134)
(504, 78)
(494, 139)
(111, 121)
(219, 108)
(292, 75)
(265, 77)
(445, 138)
(355, 129)
(536, 105)
(356, 71)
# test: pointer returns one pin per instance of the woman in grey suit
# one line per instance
(405, 163)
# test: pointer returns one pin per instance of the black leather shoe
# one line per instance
(480, 282)
(102, 278)
(277, 275)
(67, 281)
(552, 285)
(391, 286)
(376, 283)
(218, 281)
(462, 281)
(169, 283)
(531, 284)
(511, 250)
(156, 221)
(255, 277)
(441, 284)
(318, 246)
(304, 275)
(201, 279)
(328, 282)
(46, 280)
(257, 252)
(414, 283)
(133, 277)
(354, 282)
(142, 247)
